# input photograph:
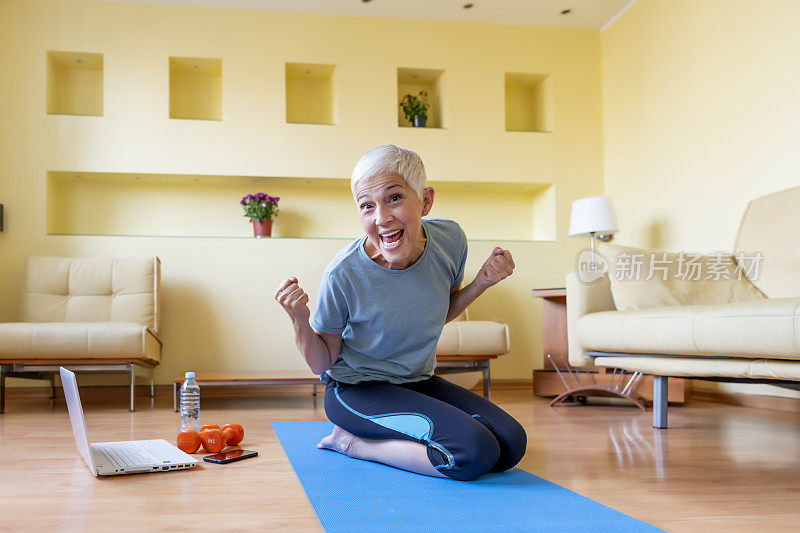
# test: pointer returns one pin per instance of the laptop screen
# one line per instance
(76, 417)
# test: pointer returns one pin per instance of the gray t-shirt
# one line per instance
(390, 320)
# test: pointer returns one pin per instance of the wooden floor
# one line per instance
(719, 467)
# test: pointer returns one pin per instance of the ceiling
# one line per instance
(593, 14)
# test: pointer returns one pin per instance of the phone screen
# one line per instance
(230, 456)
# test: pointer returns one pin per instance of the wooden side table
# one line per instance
(546, 381)
(554, 322)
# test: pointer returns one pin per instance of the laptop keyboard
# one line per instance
(124, 455)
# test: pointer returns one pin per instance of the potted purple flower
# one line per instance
(260, 208)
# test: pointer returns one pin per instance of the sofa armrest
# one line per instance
(582, 299)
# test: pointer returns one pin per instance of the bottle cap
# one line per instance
(189, 375)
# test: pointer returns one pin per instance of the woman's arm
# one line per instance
(320, 350)
(461, 298)
(499, 266)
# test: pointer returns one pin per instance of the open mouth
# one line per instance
(392, 240)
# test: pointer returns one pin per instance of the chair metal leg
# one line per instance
(133, 382)
(52, 386)
(152, 389)
(487, 382)
(315, 390)
(2, 390)
(660, 404)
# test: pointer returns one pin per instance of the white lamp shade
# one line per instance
(593, 215)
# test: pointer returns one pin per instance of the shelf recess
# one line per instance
(184, 205)
(195, 88)
(310, 94)
(432, 81)
(74, 83)
(529, 102)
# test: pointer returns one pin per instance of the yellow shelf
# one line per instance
(310, 94)
(262, 239)
(529, 102)
(432, 81)
(75, 87)
(195, 88)
(171, 205)
(74, 83)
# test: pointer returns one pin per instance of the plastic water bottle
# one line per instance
(190, 403)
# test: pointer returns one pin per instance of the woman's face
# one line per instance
(391, 215)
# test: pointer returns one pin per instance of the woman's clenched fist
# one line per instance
(498, 267)
(293, 299)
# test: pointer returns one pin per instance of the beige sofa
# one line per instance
(739, 331)
(88, 315)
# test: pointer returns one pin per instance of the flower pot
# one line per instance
(419, 121)
(262, 228)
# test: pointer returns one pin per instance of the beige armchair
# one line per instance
(469, 345)
(88, 315)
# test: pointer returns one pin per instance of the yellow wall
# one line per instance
(700, 115)
(218, 310)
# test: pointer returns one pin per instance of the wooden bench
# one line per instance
(245, 377)
(446, 364)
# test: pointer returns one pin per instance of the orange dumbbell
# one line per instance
(211, 437)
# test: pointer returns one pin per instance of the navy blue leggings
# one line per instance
(466, 434)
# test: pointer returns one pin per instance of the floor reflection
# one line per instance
(635, 444)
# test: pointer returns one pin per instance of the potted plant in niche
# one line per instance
(260, 208)
(415, 108)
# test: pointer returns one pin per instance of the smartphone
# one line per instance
(229, 456)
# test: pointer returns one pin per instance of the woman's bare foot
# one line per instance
(339, 441)
(405, 454)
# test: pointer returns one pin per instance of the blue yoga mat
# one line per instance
(354, 495)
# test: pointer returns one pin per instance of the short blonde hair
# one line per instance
(390, 158)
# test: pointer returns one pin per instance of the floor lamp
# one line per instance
(594, 216)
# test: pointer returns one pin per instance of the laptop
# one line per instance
(124, 457)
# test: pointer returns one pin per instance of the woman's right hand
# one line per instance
(294, 300)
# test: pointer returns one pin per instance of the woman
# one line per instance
(382, 303)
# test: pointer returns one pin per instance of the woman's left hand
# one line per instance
(498, 267)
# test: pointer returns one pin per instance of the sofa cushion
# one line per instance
(474, 337)
(642, 279)
(757, 328)
(766, 228)
(78, 340)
